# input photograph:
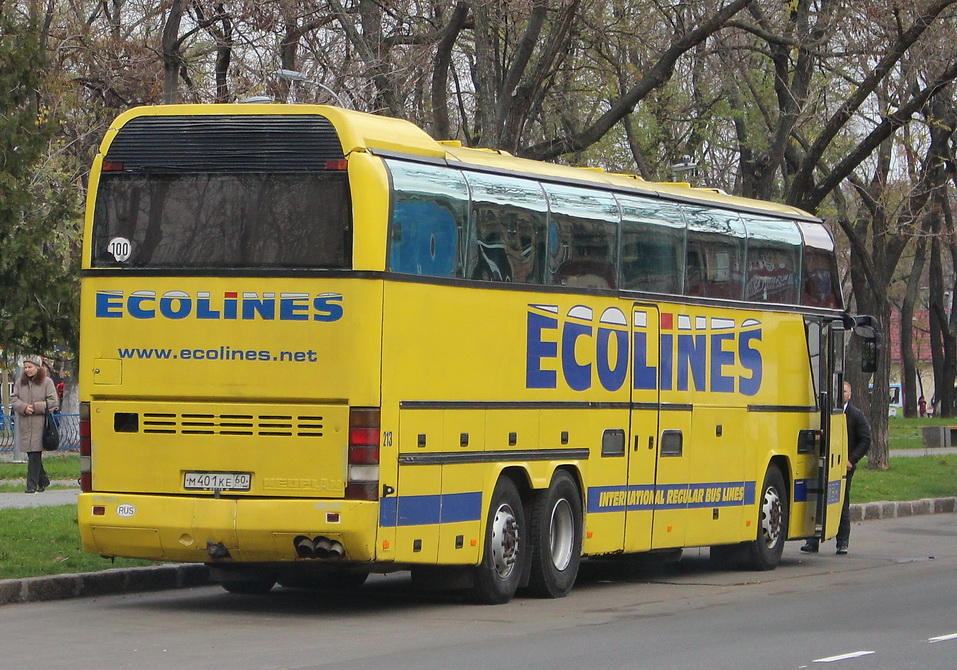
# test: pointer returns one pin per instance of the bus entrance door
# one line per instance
(642, 449)
(827, 492)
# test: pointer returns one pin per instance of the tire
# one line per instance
(497, 577)
(555, 538)
(249, 587)
(764, 553)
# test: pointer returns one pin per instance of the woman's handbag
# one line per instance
(51, 434)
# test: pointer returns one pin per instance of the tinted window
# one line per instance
(774, 260)
(428, 227)
(581, 237)
(715, 253)
(652, 245)
(508, 238)
(820, 284)
(223, 220)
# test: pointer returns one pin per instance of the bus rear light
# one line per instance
(113, 166)
(337, 164)
(365, 473)
(364, 436)
(363, 455)
(363, 483)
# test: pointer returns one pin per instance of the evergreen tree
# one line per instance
(39, 220)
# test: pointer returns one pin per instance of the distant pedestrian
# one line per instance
(858, 442)
(34, 396)
(921, 407)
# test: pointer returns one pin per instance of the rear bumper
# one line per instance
(179, 528)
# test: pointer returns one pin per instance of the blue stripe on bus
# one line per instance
(430, 509)
(802, 486)
(673, 496)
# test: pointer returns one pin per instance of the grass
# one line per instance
(908, 478)
(909, 433)
(62, 466)
(45, 540)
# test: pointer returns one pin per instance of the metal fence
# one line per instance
(69, 425)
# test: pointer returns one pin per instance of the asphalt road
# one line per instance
(889, 604)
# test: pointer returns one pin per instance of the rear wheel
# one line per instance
(556, 538)
(764, 553)
(497, 577)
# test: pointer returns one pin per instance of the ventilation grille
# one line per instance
(240, 143)
(243, 425)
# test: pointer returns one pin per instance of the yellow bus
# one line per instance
(318, 344)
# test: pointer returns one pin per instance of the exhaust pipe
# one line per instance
(323, 545)
(318, 547)
(305, 548)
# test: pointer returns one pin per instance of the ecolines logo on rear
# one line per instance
(230, 306)
(700, 353)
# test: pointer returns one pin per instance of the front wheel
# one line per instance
(556, 538)
(496, 578)
(765, 551)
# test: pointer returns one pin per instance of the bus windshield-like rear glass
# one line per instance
(222, 220)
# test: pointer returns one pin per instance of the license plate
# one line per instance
(217, 481)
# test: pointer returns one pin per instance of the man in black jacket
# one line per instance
(858, 442)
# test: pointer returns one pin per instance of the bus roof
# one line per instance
(361, 131)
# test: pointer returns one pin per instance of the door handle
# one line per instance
(636, 442)
(651, 441)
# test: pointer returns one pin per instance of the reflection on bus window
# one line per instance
(652, 245)
(427, 234)
(581, 237)
(424, 239)
(509, 229)
(774, 252)
(820, 279)
(715, 254)
(208, 220)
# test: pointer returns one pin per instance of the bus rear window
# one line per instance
(222, 220)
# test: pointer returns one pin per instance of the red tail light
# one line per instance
(86, 451)
(363, 483)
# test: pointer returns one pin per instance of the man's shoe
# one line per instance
(841, 549)
(810, 548)
(41, 489)
(30, 491)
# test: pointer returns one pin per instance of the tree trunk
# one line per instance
(170, 48)
(906, 326)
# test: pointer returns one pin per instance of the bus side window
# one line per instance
(652, 245)
(424, 239)
(581, 237)
(429, 220)
(715, 257)
(508, 232)
(820, 279)
(774, 252)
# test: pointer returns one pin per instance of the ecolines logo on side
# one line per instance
(230, 307)
(697, 353)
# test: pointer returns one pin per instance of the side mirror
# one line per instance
(866, 328)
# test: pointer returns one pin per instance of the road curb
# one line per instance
(892, 510)
(107, 582)
(162, 577)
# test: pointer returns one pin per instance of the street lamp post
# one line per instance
(295, 76)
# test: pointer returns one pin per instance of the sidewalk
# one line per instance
(160, 577)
